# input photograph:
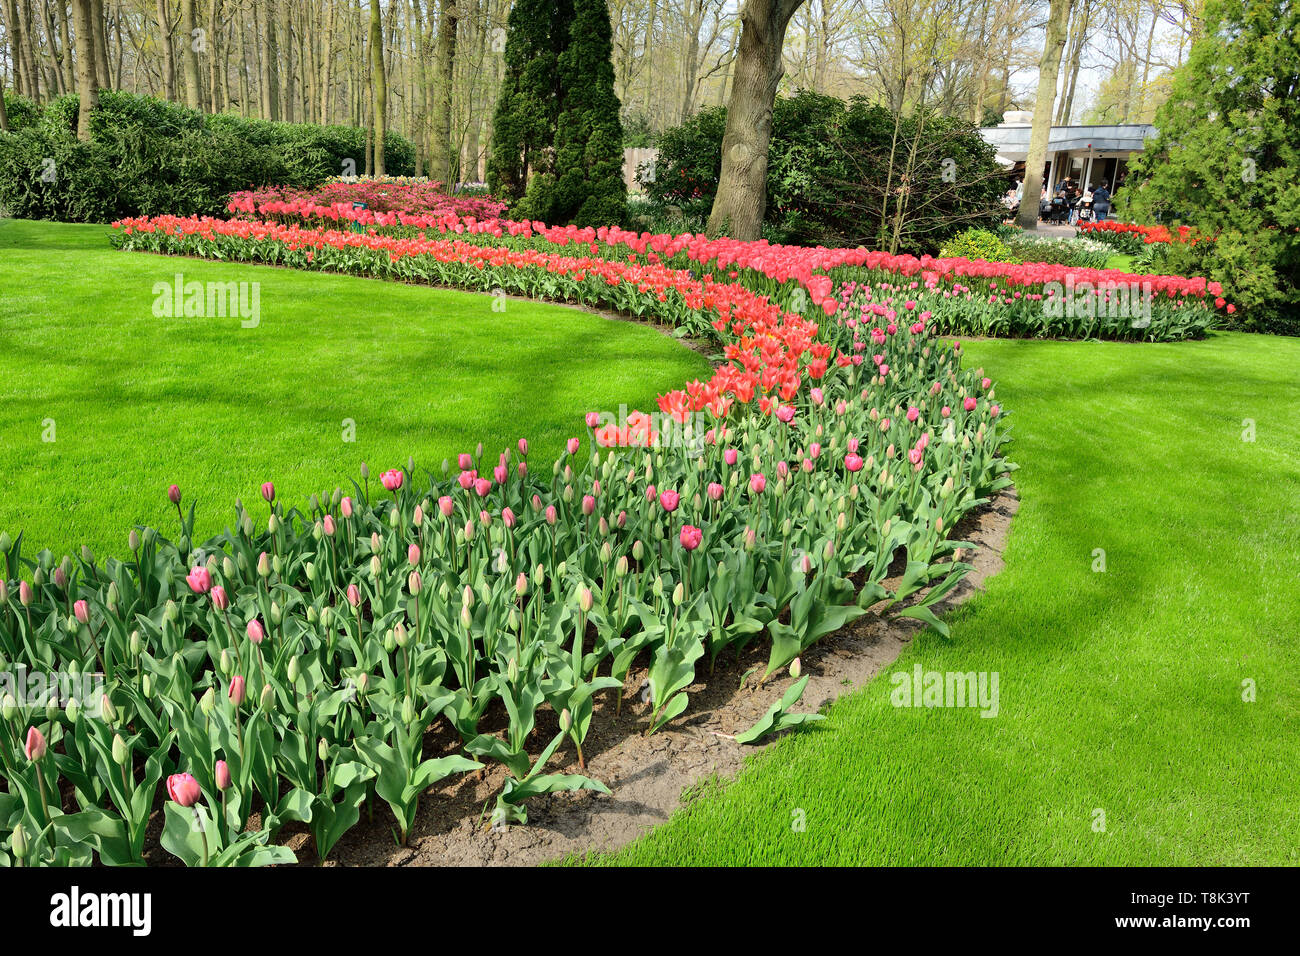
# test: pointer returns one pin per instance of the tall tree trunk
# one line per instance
(284, 33)
(270, 88)
(742, 189)
(87, 88)
(1057, 21)
(169, 58)
(190, 56)
(65, 40)
(100, 39)
(214, 75)
(378, 86)
(441, 165)
(326, 64)
(244, 65)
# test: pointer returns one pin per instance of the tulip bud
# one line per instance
(293, 670)
(35, 747)
(276, 614)
(796, 668)
(73, 709)
(267, 698)
(121, 755)
(146, 685)
(133, 540)
(521, 584)
(171, 612)
(585, 599)
(222, 774)
(8, 707)
(264, 565)
(323, 750)
(408, 711)
(6, 542)
(414, 583)
(375, 566)
(679, 594)
(106, 709)
(566, 720)
(400, 635)
(18, 839)
(512, 670)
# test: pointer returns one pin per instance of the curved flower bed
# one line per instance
(294, 665)
(807, 277)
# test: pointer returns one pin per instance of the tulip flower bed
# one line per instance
(801, 278)
(295, 666)
(1129, 238)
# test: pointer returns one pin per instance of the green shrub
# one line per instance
(828, 179)
(977, 244)
(21, 112)
(148, 156)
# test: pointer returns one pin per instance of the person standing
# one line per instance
(1100, 203)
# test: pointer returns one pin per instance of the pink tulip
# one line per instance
(691, 537)
(668, 500)
(550, 514)
(220, 600)
(853, 445)
(945, 411)
(36, 746)
(508, 517)
(268, 491)
(588, 504)
(223, 775)
(731, 456)
(995, 411)
(572, 446)
(184, 789)
(757, 483)
(255, 631)
(785, 413)
(413, 555)
(237, 689)
(853, 462)
(466, 479)
(970, 403)
(593, 419)
(354, 595)
(482, 486)
(465, 461)
(392, 479)
(81, 611)
(914, 456)
(446, 506)
(501, 473)
(174, 494)
(328, 525)
(913, 413)
(345, 507)
(715, 491)
(199, 580)
(523, 446)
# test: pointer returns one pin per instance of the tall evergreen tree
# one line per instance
(588, 187)
(557, 141)
(523, 126)
(1227, 158)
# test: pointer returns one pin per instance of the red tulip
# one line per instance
(174, 494)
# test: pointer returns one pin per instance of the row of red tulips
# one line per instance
(794, 276)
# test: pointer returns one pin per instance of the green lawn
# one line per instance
(1119, 691)
(139, 402)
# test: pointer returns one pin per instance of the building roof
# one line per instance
(1012, 140)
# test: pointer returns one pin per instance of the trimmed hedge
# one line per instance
(152, 157)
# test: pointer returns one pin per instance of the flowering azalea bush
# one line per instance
(296, 664)
(390, 194)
